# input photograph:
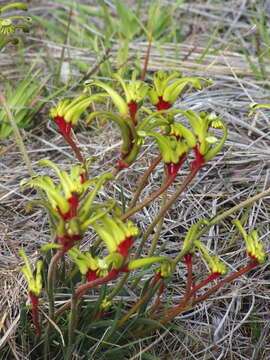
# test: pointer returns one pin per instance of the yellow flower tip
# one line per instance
(102, 266)
(34, 282)
(255, 248)
(217, 266)
(132, 230)
(6, 26)
(53, 112)
(105, 304)
(165, 269)
(217, 124)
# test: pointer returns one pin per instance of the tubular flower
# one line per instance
(254, 107)
(91, 267)
(34, 288)
(167, 87)
(63, 198)
(135, 92)
(68, 113)
(215, 265)
(72, 210)
(117, 236)
(19, 5)
(165, 268)
(34, 282)
(192, 235)
(117, 99)
(204, 149)
(254, 247)
(173, 150)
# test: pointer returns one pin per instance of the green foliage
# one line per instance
(23, 100)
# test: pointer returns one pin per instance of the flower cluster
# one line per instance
(68, 202)
(8, 25)
(136, 127)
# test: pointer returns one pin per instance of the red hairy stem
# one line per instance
(35, 317)
(65, 129)
(133, 108)
(173, 168)
(188, 261)
(82, 289)
(171, 177)
(143, 180)
(183, 306)
(224, 281)
(199, 159)
(159, 294)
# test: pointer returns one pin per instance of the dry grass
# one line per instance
(233, 324)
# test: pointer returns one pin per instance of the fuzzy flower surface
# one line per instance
(254, 247)
(34, 280)
(68, 112)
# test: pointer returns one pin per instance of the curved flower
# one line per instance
(91, 267)
(173, 150)
(135, 92)
(64, 197)
(167, 87)
(207, 145)
(7, 25)
(71, 209)
(117, 236)
(254, 247)
(34, 281)
(67, 113)
(214, 263)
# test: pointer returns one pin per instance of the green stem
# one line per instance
(17, 135)
(140, 302)
(155, 239)
(232, 210)
(118, 287)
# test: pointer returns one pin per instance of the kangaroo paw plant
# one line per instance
(91, 282)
